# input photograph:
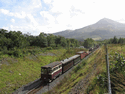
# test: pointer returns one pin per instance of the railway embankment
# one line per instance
(31, 87)
(96, 80)
(99, 84)
(79, 78)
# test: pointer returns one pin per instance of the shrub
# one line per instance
(77, 68)
(17, 53)
(49, 48)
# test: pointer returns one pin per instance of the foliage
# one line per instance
(22, 70)
(117, 73)
(118, 63)
(79, 74)
(12, 41)
(115, 40)
(89, 42)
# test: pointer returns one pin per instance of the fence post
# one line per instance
(108, 71)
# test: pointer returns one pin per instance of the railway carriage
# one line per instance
(76, 59)
(67, 64)
(82, 54)
(51, 71)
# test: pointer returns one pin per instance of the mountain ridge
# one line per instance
(103, 29)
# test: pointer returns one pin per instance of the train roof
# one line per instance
(75, 56)
(53, 64)
(80, 52)
(69, 59)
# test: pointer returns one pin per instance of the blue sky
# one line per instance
(49, 16)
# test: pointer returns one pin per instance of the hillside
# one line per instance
(103, 29)
(18, 71)
(89, 77)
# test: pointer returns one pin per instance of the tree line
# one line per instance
(12, 39)
(115, 40)
(89, 42)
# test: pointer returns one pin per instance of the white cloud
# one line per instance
(16, 14)
(31, 20)
(57, 15)
(4, 11)
(47, 1)
(12, 20)
(48, 17)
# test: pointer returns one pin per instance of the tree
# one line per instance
(89, 42)
(42, 40)
(121, 40)
(51, 40)
(60, 41)
(115, 40)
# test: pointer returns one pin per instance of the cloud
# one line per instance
(47, 1)
(50, 16)
(4, 11)
(16, 14)
(12, 20)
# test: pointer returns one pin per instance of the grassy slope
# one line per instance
(98, 81)
(20, 71)
(80, 72)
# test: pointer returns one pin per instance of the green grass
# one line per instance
(22, 70)
(79, 73)
(99, 83)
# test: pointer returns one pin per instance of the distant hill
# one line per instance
(103, 29)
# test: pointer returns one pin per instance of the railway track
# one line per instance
(56, 81)
(36, 88)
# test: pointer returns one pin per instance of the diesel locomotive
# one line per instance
(51, 71)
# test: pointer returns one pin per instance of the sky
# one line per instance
(50, 16)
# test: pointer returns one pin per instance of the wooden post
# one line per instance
(108, 71)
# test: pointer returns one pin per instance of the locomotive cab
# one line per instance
(51, 71)
(45, 74)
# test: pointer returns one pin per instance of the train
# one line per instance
(53, 70)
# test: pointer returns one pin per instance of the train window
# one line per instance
(60, 66)
(50, 70)
(44, 71)
(54, 69)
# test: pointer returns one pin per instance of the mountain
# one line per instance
(103, 29)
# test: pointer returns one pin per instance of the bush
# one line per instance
(5, 51)
(17, 53)
(49, 48)
(83, 63)
(10, 53)
(77, 68)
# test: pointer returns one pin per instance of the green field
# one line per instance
(18, 71)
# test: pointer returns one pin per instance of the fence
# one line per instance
(108, 71)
